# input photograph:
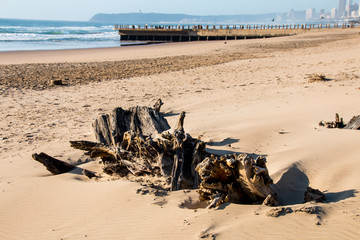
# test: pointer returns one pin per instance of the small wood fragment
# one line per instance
(89, 174)
(314, 195)
(353, 124)
(317, 78)
(158, 105)
(180, 125)
(56, 82)
(271, 200)
(53, 165)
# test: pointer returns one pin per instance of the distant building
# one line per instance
(348, 8)
(310, 13)
(295, 16)
(353, 10)
(299, 16)
(333, 13)
(322, 14)
(342, 8)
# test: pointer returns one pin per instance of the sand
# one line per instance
(250, 96)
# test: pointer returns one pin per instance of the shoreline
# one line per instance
(145, 51)
(36, 69)
(81, 48)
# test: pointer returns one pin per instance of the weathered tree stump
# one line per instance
(138, 142)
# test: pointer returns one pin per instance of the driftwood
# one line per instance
(138, 141)
(158, 105)
(353, 124)
(235, 178)
(314, 195)
(53, 165)
(56, 166)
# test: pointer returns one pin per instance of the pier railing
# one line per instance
(181, 33)
(250, 26)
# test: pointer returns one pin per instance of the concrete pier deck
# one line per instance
(181, 33)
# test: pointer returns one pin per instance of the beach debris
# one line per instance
(271, 200)
(279, 211)
(207, 235)
(138, 142)
(314, 195)
(313, 210)
(234, 178)
(158, 105)
(53, 165)
(191, 203)
(317, 78)
(89, 174)
(56, 166)
(56, 82)
(310, 209)
(353, 124)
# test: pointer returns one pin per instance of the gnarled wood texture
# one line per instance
(234, 178)
(138, 141)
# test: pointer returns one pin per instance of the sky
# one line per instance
(83, 10)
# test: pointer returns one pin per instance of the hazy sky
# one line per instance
(85, 9)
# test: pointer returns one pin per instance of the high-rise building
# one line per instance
(348, 8)
(309, 14)
(353, 10)
(333, 13)
(342, 8)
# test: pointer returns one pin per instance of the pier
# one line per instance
(182, 33)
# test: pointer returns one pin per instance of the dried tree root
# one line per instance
(338, 123)
(353, 124)
(138, 141)
(235, 178)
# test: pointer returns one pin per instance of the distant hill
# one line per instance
(161, 18)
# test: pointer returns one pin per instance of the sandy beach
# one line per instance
(245, 96)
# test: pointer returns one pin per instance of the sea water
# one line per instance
(19, 35)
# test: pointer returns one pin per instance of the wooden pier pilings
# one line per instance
(182, 33)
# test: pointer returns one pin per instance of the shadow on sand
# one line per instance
(336, 197)
(226, 141)
(292, 186)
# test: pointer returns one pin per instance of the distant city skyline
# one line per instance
(83, 10)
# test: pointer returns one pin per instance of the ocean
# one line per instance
(19, 35)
